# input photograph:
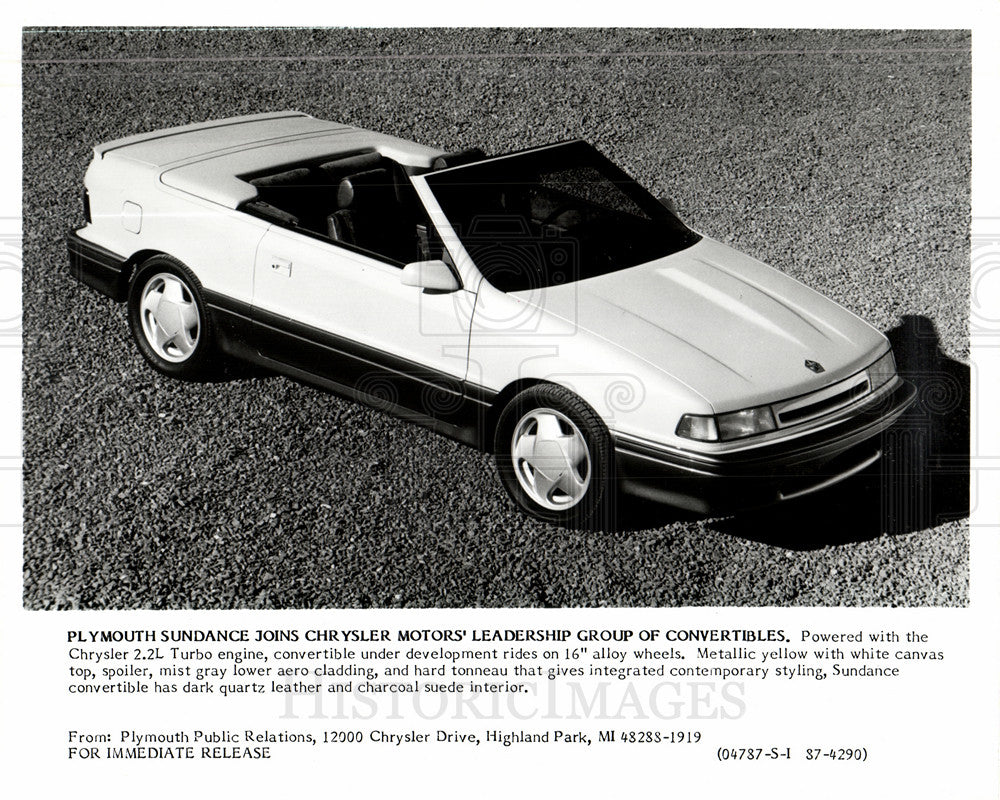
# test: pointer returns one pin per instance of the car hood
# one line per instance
(734, 330)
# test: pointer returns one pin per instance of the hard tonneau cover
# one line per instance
(205, 159)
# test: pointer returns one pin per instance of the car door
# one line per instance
(332, 312)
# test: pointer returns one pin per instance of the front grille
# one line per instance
(823, 406)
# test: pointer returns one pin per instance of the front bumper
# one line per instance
(97, 267)
(725, 482)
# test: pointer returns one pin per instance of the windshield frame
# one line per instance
(572, 153)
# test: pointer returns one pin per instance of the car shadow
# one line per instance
(230, 370)
(921, 481)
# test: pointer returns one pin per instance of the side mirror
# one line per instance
(434, 275)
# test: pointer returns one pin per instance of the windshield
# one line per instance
(555, 215)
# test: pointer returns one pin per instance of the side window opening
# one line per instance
(373, 214)
(364, 201)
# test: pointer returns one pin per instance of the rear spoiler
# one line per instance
(106, 147)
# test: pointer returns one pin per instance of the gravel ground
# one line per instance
(841, 158)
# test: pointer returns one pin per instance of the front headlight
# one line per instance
(882, 371)
(747, 422)
(726, 427)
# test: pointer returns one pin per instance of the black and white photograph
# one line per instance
(530, 402)
(495, 317)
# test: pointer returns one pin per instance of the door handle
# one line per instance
(281, 266)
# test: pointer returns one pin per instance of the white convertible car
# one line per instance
(539, 304)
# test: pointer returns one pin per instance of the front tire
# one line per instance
(167, 317)
(555, 459)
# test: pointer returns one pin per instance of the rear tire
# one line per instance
(554, 457)
(168, 320)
